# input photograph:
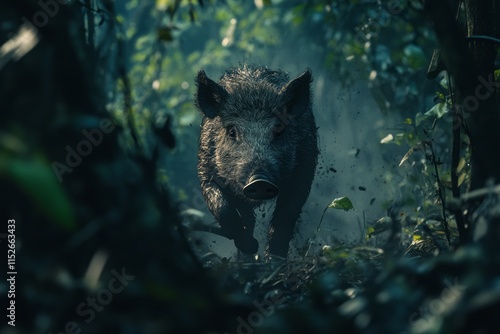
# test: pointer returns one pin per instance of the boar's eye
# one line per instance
(278, 129)
(231, 132)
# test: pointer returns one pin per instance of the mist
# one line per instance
(352, 161)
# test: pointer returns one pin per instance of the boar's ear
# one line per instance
(296, 95)
(209, 95)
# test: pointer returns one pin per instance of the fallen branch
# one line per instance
(474, 195)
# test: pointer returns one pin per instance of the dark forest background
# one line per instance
(98, 141)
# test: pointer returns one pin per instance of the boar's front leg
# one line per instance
(287, 212)
(235, 217)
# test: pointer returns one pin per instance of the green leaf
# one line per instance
(342, 203)
(461, 179)
(438, 110)
(444, 83)
(381, 225)
(410, 152)
(461, 164)
(496, 74)
(369, 231)
(37, 179)
(419, 118)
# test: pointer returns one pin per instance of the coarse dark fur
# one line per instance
(256, 120)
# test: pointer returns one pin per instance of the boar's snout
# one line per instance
(259, 187)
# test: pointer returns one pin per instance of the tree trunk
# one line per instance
(471, 63)
(469, 58)
(483, 121)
